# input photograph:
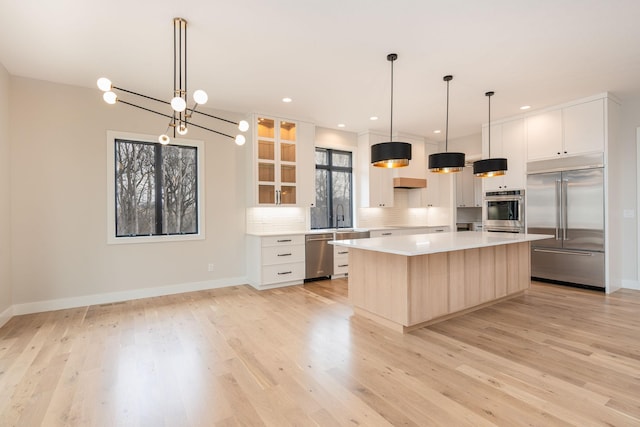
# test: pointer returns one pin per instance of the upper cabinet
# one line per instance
(431, 194)
(376, 184)
(282, 156)
(468, 188)
(568, 131)
(584, 128)
(507, 141)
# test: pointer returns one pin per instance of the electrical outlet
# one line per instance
(628, 213)
(210, 266)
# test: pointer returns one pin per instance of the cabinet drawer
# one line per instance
(284, 254)
(282, 272)
(343, 268)
(438, 229)
(340, 251)
(292, 239)
(383, 233)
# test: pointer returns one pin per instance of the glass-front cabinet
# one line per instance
(276, 161)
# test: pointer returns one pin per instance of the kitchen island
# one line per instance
(407, 282)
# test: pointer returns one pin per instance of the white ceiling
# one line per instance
(330, 55)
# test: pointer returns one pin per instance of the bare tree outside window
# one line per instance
(156, 189)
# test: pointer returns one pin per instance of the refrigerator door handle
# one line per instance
(556, 251)
(565, 188)
(558, 209)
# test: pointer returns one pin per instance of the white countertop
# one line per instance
(423, 244)
(331, 230)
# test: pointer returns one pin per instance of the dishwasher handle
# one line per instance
(327, 239)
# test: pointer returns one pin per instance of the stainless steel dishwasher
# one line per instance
(318, 255)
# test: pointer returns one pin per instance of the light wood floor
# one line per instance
(295, 356)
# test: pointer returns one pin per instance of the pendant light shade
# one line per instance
(391, 154)
(487, 168)
(446, 162)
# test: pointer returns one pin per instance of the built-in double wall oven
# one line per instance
(504, 211)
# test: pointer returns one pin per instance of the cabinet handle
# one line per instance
(343, 265)
(387, 234)
(283, 240)
(289, 254)
(284, 272)
(342, 253)
(440, 230)
(278, 198)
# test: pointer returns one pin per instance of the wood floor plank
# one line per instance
(297, 356)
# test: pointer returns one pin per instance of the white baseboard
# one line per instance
(631, 284)
(83, 301)
(6, 315)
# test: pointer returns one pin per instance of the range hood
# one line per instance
(399, 182)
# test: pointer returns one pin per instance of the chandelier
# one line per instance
(181, 118)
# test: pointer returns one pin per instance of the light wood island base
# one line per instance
(408, 292)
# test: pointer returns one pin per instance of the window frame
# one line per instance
(112, 136)
(331, 168)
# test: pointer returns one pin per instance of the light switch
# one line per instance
(629, 213)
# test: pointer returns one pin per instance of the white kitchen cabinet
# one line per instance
(584, 128)
(431, 194)
(544, 135)
(340, 261)
(507, 141)
(568, 131)
(282, 158)
(375, 184)
(468, 188)
(275, 261)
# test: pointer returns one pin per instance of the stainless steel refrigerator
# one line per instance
(570, 206)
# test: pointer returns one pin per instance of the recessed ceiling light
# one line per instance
(525, 107)
(373, 118)
(437, 131)
(287, 99)
(341, 125)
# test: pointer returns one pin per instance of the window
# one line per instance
(333, 190)
(155, 190)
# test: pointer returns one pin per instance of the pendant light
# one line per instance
(391, 154)
(446, 162)
(487, 168)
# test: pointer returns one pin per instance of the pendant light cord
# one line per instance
(391, 58)
(446, 129)
(489, 94)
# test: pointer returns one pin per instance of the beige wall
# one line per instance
(5, 195)
(59, 247)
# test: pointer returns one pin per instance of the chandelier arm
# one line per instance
(191, 110)
(172, 118)
(211, 130)
(146, 109)
(141, 95)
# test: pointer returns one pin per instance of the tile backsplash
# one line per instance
(296, 220)
(276, 219)
(401, 215)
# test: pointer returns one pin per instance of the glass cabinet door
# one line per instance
(276, 161)
(266, 161)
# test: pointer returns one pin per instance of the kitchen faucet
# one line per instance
(338, 216)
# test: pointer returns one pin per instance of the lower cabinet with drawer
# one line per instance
(340, 261)
(275, 261)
